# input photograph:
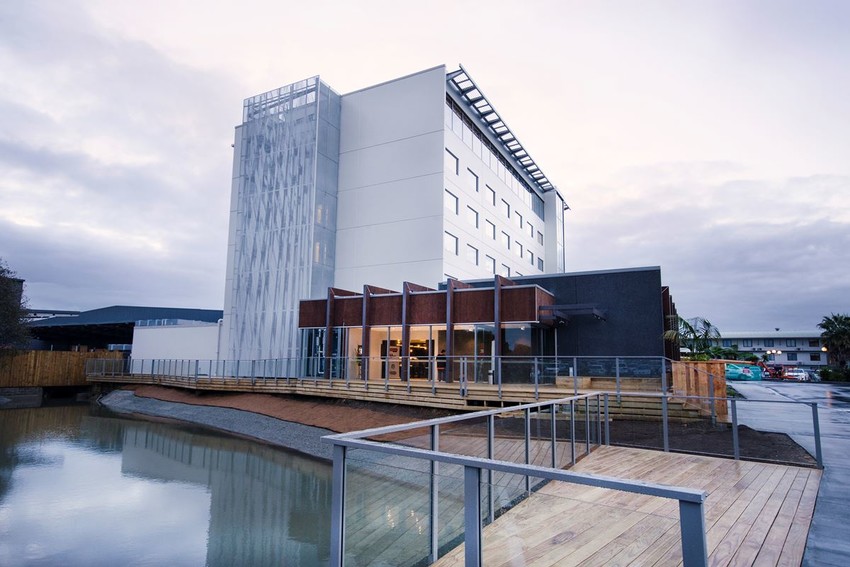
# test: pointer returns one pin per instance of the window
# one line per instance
(768, 342)
(747, 343)
(472, 180)
(506, 208)
(726, 343)
(472, 254)
(472, 216)
(539, 237)
(505, 271)
(814, 357)
(792, 356)
(815, 343)
(491, 264)
(492, 195)
(790, 342)
(530, 256)
(450, 242)
(491, 230)
(450, 163)
(506, 240)
(518, 218)
(540, 264)
(450, 201)
(530, 230)
(518, 248)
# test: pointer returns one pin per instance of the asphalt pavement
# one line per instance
(828, 542)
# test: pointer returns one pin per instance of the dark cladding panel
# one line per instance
(311, 313)
(428, 308)
(519, 304)
(473, 306)
(385, 310)
(348, 311)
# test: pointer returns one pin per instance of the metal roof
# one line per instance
(129, 314)
(464, 88)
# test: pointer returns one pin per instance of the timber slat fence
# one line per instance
(47, 368)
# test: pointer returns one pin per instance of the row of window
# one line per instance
(457, 122)
(452, 246)
(452, 204)
(747, 343)
(792, 357)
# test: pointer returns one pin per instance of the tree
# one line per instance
(696, 334)
(13, 330)
(836, 338)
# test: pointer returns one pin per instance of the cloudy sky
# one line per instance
(711, 138)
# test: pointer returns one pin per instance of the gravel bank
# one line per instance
(302, 438)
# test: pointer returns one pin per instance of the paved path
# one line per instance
(828, 543)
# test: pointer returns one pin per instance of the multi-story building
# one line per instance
(788, 348)
(416, 179)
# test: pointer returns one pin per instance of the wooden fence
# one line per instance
(695, 379)
(47, 368)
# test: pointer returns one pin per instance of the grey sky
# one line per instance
(710, 138)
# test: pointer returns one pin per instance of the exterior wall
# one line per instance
(473, 158)
(389, 224)
(281, 246)
(799, 348)
(631, 300)
(176, 342)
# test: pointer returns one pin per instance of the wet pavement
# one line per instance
(828, 542)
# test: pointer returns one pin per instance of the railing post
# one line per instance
(554, 434)
(575, 376)
(711, 398)
(573, 432)
(491, 444)
(816, 425)
(587, 426)
(527, 447)
(607, 425)
(692, 525)
(536, 373)
(665, 426)
(617, 369)
(338, 507)
(472, 516)
(435, 496)
(735, 443)
(598, 420)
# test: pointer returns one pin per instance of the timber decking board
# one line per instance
(756, 513)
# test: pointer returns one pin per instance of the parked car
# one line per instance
(743, 372)
(797, 374)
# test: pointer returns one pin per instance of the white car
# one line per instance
(797, 374)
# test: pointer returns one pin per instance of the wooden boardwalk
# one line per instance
(756, 514)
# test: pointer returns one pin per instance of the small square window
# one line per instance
(472, 254)
(518, 218)
(491, 264)
(814, 357)
(530, 256)
(540, 264)
(726, 343)
(472, 216)
(450, 201)
(491, 230)
(539, 237)
(768, 342)
(506, 240)
(747, 343)
(518, 248)
(450, 243)
(472, 180)
(492, 195)
(505, 271)
(814, 343)
(791, 342)
(506, 208)
(530, 230)
(451, 163)
(792, 356)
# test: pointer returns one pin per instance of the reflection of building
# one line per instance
(796, 348)
(416, 179)
(495, 324)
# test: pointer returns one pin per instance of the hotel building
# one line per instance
(417, 179)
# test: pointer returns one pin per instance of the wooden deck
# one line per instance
(756, 514)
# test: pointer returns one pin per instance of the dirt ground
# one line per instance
(343, 416)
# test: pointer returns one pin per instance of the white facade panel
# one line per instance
(176, 342)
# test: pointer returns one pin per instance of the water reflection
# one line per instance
(84, 489)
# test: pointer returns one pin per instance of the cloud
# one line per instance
(745, 253)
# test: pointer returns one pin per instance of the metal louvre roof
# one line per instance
(129, 314)
(463, 86)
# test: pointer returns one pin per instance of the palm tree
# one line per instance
(696, 333)
(836, 337)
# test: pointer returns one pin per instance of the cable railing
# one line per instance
(467, 456)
